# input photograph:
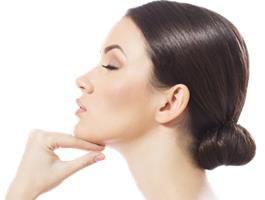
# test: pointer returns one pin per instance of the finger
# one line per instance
(67, 168)
(69, 141)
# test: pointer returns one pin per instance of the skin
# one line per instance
(115, 99)
(145, 124)
(39, 156)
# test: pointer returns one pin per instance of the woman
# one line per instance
(169, 89)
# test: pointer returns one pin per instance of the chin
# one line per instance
(83, 134)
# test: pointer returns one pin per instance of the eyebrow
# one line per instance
(114, 46)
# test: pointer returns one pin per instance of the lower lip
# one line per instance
(80, 110)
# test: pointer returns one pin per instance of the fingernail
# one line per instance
(99, 157)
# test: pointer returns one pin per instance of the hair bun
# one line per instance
(229, 144)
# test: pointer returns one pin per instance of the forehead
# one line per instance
(126, 34)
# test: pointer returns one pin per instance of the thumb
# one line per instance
(67, 168)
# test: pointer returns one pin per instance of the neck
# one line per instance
(161, 168)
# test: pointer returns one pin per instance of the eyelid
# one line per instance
(111, 61)
(112, 54)
(111, 64)
(110, 67)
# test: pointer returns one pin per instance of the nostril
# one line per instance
(85, 87)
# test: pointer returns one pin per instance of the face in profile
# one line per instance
(118, 100)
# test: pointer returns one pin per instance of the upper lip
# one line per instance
(79, 103)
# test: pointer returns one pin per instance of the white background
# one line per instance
(45, 45)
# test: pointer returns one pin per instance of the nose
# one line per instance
(84, 85)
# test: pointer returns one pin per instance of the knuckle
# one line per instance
(88, 162)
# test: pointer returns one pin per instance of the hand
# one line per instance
(41, 169)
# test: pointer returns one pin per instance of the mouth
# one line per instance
(82, 108)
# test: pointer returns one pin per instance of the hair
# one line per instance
(197, 47)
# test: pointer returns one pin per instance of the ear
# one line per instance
(173, 103)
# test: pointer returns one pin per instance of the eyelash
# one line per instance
(110, 67)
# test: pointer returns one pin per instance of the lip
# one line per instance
(81, 109)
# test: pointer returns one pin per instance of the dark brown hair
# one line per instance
(197, 47)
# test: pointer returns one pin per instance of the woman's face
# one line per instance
(118, 102)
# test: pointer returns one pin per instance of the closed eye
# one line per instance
(110, 67)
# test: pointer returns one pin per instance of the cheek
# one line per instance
(127, 96)
(124, 95)
(119, 111)
(127, 109)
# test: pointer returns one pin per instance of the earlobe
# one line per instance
(173, 104)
